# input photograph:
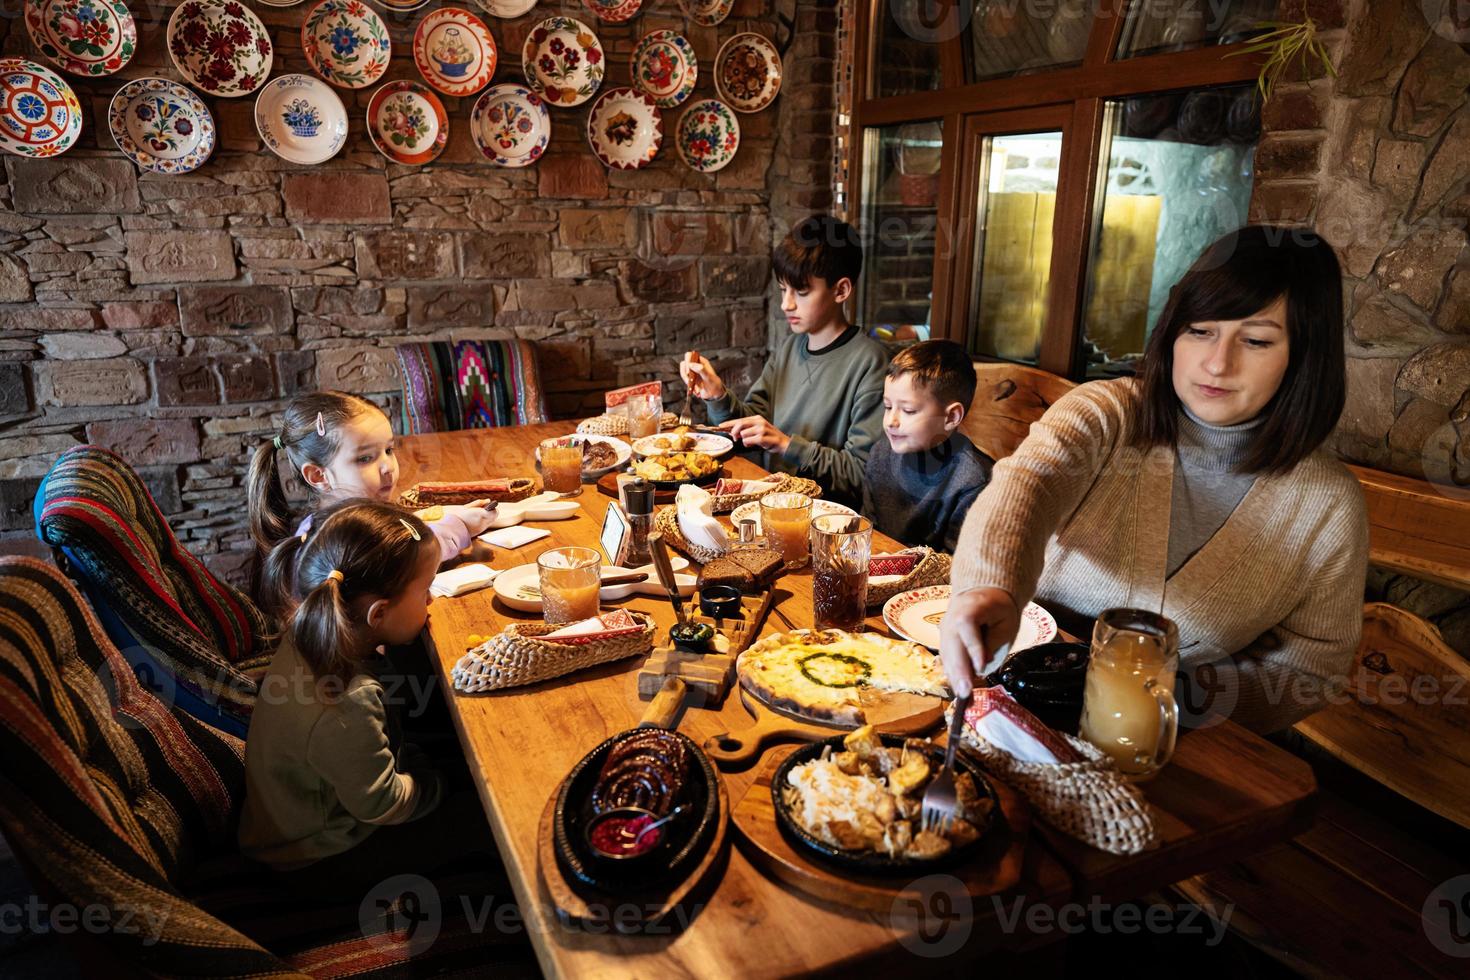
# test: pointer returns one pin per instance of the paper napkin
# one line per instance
(464, 578)
(514, 537)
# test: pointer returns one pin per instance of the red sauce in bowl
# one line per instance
(608, 836)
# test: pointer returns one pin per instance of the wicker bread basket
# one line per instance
(617, 425)
(932, 569)
(517, 655)
(787, 484)
(521, 487)
(667, 521)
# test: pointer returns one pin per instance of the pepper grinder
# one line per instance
(639, 508)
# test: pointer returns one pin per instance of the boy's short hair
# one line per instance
(821, 246)
(941, 367)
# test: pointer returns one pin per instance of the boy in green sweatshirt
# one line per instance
(817, 407)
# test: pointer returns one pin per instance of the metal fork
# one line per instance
(940, 805)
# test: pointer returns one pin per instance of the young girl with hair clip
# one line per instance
(327, 781)
(341, 446)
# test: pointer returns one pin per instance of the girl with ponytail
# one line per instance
(322, 771)
(341, 446)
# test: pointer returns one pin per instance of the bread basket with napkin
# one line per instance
(525, 653)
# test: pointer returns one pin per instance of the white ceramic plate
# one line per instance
(301, 119)
(505, 8)
(563, 61)
(84, 37)
(510, 125)
(346, 42)
(752, 511)
(454, 51)
(40, 115)
(613, 11)
(708, 135)
(625, 129)
(161, 126)
(709, 443)
(520, 587)
(220, 46)
(407, 123)
(664, 65)
(624, 451)
(706, 13)
(915, 615)
(748, 72)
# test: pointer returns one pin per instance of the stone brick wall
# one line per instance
(172, 317)
(1378, 159)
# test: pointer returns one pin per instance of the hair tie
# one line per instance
(409, 528)
(333, 574)
(276, 441)
(321, 426)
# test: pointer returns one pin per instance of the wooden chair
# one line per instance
(1008, 398)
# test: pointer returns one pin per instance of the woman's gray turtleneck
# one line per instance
(1207, 486)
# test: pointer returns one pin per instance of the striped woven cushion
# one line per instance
(104, 791)
(201, 639)
(470, 384)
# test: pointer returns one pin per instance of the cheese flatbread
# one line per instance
(817, 674)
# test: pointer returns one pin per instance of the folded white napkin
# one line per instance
(465, 578)
(996, 717)
(514, 537)
(695, 508)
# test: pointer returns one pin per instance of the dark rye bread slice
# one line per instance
(763, 564)
(723, 571)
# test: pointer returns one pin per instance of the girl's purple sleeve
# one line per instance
(452, 532)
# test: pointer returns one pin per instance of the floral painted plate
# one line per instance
(613, 11)
(301, 119)
(625, 129)
(563, 61)
(706, 13)
(708, 135)
(505, 8)
(39, 113)
(407, 123)
(280, 3)
(454, 51)
(665, 67)
(511, 125)
(346, 42)
(161, 126)
(84, 37)
(748, 72)
(220, 46)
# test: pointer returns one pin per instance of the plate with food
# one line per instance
(855, 801)
(916, 615)
(682, 440)
(752, 512)
(836, 678)
(671, 469)
(600, 454)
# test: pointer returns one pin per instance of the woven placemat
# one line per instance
(517, 655)
(932, 569)
(617, 425)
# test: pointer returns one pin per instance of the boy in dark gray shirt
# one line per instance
(922, 478)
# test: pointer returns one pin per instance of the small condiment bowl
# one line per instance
(698, 639)
(624, 813)
(720, 601)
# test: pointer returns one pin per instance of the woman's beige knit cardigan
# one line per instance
(1079, 520)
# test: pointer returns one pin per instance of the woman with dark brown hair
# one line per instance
(1199, 489)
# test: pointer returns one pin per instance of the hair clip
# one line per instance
(302, 537)
(321, 426)
(409, 528)
(333, 574)
(276, 441)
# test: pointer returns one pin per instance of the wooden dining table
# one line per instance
(1227, 793)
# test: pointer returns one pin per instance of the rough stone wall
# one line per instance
(1378, 160)
(171, 317)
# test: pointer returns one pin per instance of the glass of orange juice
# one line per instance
(786, 521)
(561, 468)
(1128, 707)
(570, 579)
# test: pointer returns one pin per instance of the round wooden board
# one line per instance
(994, 869)
(581, 905)
(896, 713)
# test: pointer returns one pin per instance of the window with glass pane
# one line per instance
(906, 52)
(899, 218)
(1179, 173)
(1013, 244)
(1158, 26)
(1011, 37)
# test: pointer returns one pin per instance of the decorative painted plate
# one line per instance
(625, 129)
(220, 46)
(346, 42)
(563, 61)
(39, 113)
(665, 67)
(915, 615)
(708, 135)
(280, 3)
(613, 11)
(454, 51)
(84, 37)
(301, 119)
(161, 126)
(706, 13)
(511, 125)
(408, 123)
(505, 8)
(401, 6)
(748, 72)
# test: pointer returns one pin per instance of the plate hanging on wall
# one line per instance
(220, 47)
(40, 115)
(563, 61)
(510, 125)
(301, 119)
(625, 129)
(84, 37)
(407, 123)
(454, 51)
(748, 72)
(346, 43)
(161, 126)
(708, 135)
(664, 65)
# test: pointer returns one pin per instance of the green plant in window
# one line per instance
(1284, 45)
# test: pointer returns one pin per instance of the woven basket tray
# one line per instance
(518, 655)
(1088, 800)
(520, 488)
(617, 425)
(788, 484)
(932, 569)
(667, 521)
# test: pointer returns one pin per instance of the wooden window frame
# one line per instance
(1078, 96)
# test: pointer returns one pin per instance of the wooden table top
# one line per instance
(1227, 794)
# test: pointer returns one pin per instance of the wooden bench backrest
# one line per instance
(1008, 398)
(1416, 528)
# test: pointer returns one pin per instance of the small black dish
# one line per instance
(870, 862)
(720, 601)
(694, 637)
(625, 859)
(1048, 681)
(686, 837)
